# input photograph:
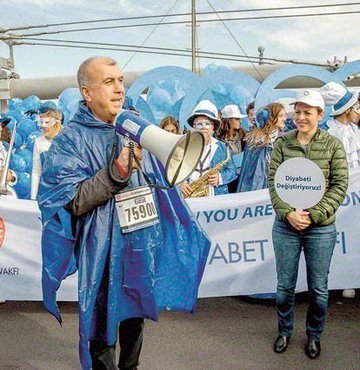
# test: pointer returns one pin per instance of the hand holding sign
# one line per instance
(301, 183)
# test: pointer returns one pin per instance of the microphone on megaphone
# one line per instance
(179, 154)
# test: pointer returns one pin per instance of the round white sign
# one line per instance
(300, 182)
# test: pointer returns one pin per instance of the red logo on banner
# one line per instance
(2, 231)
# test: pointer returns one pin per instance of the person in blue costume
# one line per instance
(205, 119)
(127, 270)
(259, 143)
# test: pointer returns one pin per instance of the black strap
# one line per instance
(147, 180)
(114, 155)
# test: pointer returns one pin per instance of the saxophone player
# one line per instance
(216, 169)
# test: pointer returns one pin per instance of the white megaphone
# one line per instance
(179, 154)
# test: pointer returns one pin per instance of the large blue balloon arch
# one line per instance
(168, 90)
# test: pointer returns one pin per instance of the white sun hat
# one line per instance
(339, 97)
(310, 97)
(231, 111)
(205, 108)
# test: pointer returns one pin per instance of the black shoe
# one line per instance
(313, 348)
(281, 344)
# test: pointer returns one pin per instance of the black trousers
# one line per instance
(130, 339)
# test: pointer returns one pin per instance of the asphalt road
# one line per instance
(225, 333)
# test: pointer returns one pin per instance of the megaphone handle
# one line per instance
(114, 153)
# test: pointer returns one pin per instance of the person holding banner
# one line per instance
(126, 271)
(311, 230)
(259, 143)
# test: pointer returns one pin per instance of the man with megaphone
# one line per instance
(136, 246)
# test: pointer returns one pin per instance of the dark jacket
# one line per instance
(329, 154)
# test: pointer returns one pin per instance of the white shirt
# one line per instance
(42, 144)
(349, 135)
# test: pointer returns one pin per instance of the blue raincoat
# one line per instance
(119, 275)
(254, 171)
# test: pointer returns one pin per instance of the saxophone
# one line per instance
(200, 187)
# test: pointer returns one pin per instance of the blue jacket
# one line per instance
(119, 275)
(228, 171)
(254, 170)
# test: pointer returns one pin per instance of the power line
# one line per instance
(237, 42)
(198, 21)
(203, 53)
(128, 50)
(179, 15)
(147, 38)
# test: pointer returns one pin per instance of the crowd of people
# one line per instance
(85, 178)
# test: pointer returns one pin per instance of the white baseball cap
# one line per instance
(339, 97)
(310, 97)
(231, 111)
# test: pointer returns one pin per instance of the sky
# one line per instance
(307, 38)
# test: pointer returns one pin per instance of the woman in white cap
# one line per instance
(259, 143)
(216, 168)
(232, 134)
(50, 121)
(311, 230)
(230, 130)
(343, 125)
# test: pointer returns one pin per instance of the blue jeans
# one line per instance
(318, 243)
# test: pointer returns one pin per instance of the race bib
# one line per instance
(136, 209)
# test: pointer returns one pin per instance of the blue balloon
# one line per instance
(241, 96)
(69, 103)
(31, 139)
(14, 102)
(128, 103)
(26, 127)
(160, 99)
(17, 113)
(48, 105)
(17, 163)
(23, 185)
(18, 140)
(210, 68)
(27, 155)
(31, 103)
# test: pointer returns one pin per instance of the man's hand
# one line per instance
(185, 189)
(299, 220)
(123, 158)
(214, 179)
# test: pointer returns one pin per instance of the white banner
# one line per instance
(241, 259)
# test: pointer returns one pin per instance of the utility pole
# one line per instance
(193, 36)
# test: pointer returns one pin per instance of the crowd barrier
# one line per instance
(241, 260)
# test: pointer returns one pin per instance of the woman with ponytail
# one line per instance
(259, 143)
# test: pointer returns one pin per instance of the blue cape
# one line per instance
(254, 170)
(119, 275)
